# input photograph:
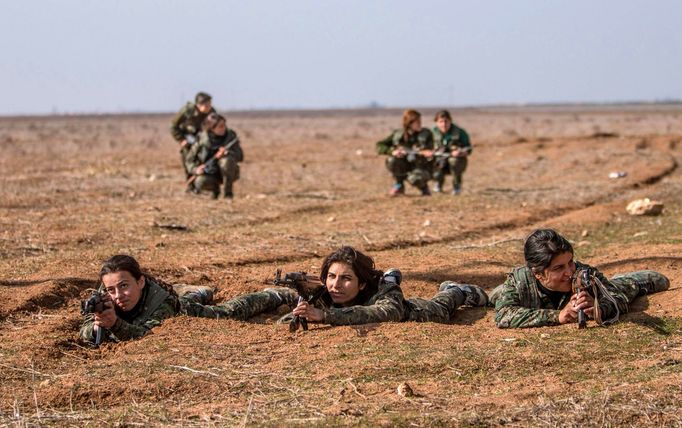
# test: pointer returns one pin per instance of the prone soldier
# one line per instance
(541, 293)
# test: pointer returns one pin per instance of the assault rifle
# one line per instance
(411, 154)
(309, 289)
(93, 304)
(211, 165)
(581, 283)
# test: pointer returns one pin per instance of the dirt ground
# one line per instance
(76, 190)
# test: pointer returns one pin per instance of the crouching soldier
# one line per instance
(453, 147)
(541, 293)
(214, 159)
(410, 154)
(186, 125)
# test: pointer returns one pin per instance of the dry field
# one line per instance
(76, 190)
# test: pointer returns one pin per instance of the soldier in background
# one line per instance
(186, 125)
(410, 151)
(540, 293)
(214, 159)
(450, 139)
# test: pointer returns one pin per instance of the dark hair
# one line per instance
(443, 114)
(201, 98)
(211, 121)
(542, 246)
(409, 117)
(124, 262)
(363, 267)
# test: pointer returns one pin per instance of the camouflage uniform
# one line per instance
(155, 305)
(386, 305)
(415, 168)
(455, 137)
(520, 302)
(226, 171)
(187, 123)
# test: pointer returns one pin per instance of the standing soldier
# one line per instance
(213, 160)
(410, 153)
(186, 125)
(450, 139)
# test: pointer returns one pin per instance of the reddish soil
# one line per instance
(76, 190)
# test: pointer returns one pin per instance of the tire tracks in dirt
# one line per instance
(522, 221)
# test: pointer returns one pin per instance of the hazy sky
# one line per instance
(144, 55)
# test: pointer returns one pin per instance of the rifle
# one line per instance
(309, 289)
(411, 155)
(211, 164)
(581, 282)
(93, 304)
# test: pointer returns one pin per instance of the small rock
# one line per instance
(618, 174)
(405, 390)
(584, 233)
(583, 243)
(427, 223)
(422, 234)
(331, 219)
(638, 234)
(644, 207)
(358, 152)
(152, 177)
(544, 336)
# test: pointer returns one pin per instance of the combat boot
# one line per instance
(473, 294)
(457, 189)
(651, 282)
(438, 188)
(196, 293)
(425, 190)
(397, 189)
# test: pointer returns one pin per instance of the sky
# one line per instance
(86, 56)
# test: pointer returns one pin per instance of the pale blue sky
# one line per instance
(145, 55)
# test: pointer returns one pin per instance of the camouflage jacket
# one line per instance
(454, 137)
(386, 305)
(157, 305)
(417, 141)
(187, 122)
(209, 144)
(522, 303)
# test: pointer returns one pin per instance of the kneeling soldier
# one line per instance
(214, 159)
(453, 142)
(410, 153)
(186, 125)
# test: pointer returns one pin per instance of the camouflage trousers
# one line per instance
(228, 173)
(183, 158)
(441, 308)
(453, 165)
(417, 173)
(629, 284)
(242, 307)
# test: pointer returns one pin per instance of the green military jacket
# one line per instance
(209, 144)
(522, 303)
(386, 305)
(454, 137)
(422, 140)
(157, 305)
(187, 122)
